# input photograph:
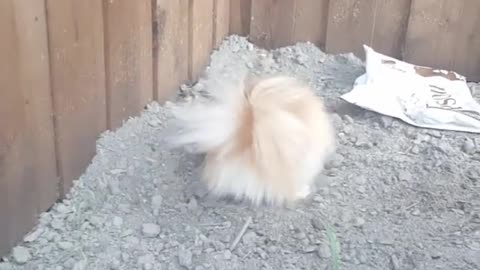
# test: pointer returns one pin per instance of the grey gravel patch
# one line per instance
(21, 255)
(398, 197)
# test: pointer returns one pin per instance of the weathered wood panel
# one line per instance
(200, 36)
(171, 39)
(272, 23)
(377, 23)
(78, 82)
(240, 13)
(28, 175)
(445, 34)
(221, 21)
(128, 58)
(310, 21)
(281, 23)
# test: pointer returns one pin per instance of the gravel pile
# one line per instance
(395, 196)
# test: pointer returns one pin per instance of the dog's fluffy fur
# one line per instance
(265, 140)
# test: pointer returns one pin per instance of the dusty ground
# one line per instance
(397, 197)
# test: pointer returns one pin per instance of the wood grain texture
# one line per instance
(78, 82)
(171, 39)
(445, 34)
(28, 175)
(240, 13)
(311, 17)
(380, 24)
(273, 23)
(200, 36)
(281, 23)
(128, 58)
(221, 21)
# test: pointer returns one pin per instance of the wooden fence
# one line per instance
(71, 69)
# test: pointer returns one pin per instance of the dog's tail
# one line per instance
(257, 112)
(205, 124)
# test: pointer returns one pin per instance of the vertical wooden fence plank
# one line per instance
(272, 23)
(171, 38)
(310, 23)
(445, 34)
(390, 27)
(282, 23)
(128, 58)
(377, 23)
(28, 177)
(240, 11)
(200, 36)
(78, 82)
(221, 21)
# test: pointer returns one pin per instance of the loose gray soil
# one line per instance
(397, 197)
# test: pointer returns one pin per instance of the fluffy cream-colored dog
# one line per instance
(265, 140)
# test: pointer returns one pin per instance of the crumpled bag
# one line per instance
(421, 96)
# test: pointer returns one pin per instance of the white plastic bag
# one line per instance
(420, 96)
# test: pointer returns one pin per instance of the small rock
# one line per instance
(317, 224)
(198, 86)
(249, 238)
(337, 120)
(323, 251)
(150, 229)
(125, 257)
(335, 162)
(362, 257)
(300, 235)
(117, 221)
(415, 212)
(65, 245)
(192, 204)
(227, 254)
(156, 201)
(473, 173)
(386, 121)
(395, 262)
(469, 147)
(132, 240)
(5, 266)
(33, 235)
(309, 249)
(301, 58)
(435, 133)
(57, 224)
(363, 143)
(62, 208)
(435, 255)
(199, 190)
(361, 189)
(404, 176)
(80, 265)
(415, 150)
(184, 257)
(21, 255)
(146, 259)
(348, 119)
(358, 222)
(317, 198)
(361, 180)
(114, 187)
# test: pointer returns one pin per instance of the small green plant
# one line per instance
(334, 247)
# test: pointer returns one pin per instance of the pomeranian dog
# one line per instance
(265, 140)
